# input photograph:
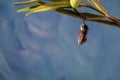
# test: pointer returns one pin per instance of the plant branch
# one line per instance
(91, 7)
(71, 13)
(109, 20)
(107, 16)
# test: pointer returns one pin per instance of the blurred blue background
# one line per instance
(43, 46)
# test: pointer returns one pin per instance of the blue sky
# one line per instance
(43, 46)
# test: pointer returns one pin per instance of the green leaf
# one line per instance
(90, 16)
(49, 6)
(26, 2)
(99, 6)
(26, 9)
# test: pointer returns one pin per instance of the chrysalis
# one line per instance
(82, 35)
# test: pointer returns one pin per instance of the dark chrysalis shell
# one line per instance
(82, 35)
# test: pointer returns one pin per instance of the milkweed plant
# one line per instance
(70, 7)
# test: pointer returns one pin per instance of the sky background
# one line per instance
(43, 46)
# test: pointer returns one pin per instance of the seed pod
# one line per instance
(75, 3)
(82, 35)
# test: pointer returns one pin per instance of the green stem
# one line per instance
(100, 19)
(103, 21)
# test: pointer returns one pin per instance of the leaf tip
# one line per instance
(28, 14)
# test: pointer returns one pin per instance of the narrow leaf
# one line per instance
(49, 6)
(26, 9)
(90, 16)
(26, 2)
(98, 5)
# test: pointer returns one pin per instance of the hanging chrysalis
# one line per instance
(82, 35)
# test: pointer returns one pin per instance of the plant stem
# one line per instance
(109, 21)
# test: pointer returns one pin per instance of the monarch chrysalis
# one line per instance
(82, 35)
